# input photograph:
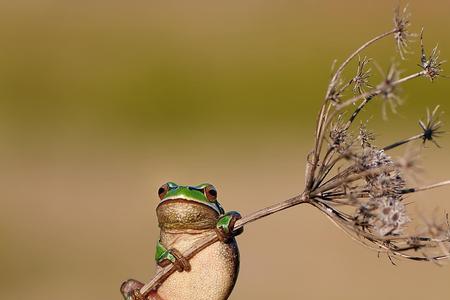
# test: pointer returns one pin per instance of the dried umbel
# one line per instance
(402, 35)
(431, 65)
(365, 196)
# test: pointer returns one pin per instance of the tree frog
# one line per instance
(185, 214)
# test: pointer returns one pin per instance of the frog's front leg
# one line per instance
(164, 257)
(225, 226)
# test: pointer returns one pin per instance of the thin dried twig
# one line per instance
(210, 239)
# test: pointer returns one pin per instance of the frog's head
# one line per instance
(188, 207)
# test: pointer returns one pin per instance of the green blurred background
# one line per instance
(103, 101)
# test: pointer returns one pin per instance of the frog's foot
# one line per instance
(173, 256)
(130, 290)
(225, 226)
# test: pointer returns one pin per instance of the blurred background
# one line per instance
(101, 102)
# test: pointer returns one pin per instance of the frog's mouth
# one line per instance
(189, 201)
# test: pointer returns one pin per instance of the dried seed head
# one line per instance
(409, 162)
(335, 92)
(386, 184)
(389, 90)
(431, 129)
(431, 65)
(389, 183)
(371, 158)
(365, 137)
(390, 217)
(401, 35)
(341, 139)
(436, 228)
(382, 216)
(361, 79)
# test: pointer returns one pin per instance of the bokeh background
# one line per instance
(101, 102)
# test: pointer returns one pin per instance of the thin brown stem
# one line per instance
(367, 97)
(383, 243)
(211, 238)
(322, 118)
(378, 90)
(350, 178)
(324, 166)
(426, 187)
(354, 54)
(402, 142)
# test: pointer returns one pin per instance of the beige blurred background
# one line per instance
(103, 101)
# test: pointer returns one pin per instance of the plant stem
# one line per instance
(350, 178)
(323, 117)
(211, 238)
(426, 187)
(357, 51)
(377, 91)
(399, 143)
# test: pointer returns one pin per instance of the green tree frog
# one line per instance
(185, 215)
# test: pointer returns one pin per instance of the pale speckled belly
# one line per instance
(213, 274)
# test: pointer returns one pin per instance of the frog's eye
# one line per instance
(211, 193)
(162, 191)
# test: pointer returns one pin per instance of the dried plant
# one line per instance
(401, 35)
(365, 198)
(356, 184)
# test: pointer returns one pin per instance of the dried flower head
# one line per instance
(361, 79)
(365, 136)
(401, 34)
(431, 65)
(390, 217)
(371, 157)
(340, 138)
(409, 162)
(386, 184)
(388, 90)
(431, 128)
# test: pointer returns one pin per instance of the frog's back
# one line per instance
(213, 272)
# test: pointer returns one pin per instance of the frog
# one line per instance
(186, 214)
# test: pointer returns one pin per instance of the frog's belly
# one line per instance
(213, 272)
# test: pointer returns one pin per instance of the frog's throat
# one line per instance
(182, 214)
(190, 200)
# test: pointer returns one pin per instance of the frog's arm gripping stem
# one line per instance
(225, 226)
(164, 257)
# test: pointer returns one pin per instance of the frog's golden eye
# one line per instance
(211, 193)
(162, 191)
